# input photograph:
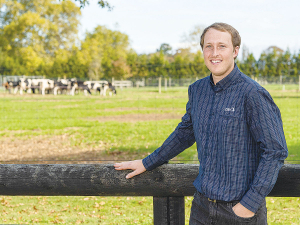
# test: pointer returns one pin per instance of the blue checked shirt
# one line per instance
(239, 135)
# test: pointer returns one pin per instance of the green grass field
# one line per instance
(77, 129)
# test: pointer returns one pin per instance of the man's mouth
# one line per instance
(216, 61)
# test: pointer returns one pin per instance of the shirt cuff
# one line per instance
(252, 201)
(147, 162)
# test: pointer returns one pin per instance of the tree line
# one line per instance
(41, 38)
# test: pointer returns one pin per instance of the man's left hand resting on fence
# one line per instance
(137, 166)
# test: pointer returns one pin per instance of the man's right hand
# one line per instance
(137, 166)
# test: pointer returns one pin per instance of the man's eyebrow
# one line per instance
(222, 43)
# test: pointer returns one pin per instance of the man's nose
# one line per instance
(215, 52)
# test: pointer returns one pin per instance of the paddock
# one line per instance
(63, 129)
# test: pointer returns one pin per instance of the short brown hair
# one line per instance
(224, 27)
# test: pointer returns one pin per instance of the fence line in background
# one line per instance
(170, 81)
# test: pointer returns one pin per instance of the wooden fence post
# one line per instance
(168, 210)
(166, 84)
(159, 85)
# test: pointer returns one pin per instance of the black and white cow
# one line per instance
(112, 89)
(100, 86)
(44, 85)
(103, 87)
(12, 85)
(80, 85)
(63, 85)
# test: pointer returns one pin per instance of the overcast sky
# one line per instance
(148, 23)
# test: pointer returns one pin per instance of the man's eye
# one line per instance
(208, 46)
(222, 46)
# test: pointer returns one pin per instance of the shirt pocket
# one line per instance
(229, 131)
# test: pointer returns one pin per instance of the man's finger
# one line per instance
(132, 174)
(122, 166)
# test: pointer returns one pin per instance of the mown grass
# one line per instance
(113, 210)
(55, 115)
(79, 116)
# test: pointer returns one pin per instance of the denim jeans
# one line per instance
(207, 212)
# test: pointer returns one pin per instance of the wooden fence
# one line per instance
(168, 184)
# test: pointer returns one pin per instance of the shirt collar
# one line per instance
(226, 81)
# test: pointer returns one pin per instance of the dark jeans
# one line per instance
(207, 212)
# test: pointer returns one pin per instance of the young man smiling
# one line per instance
(239, 135)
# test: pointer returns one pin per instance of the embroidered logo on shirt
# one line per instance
(229, 109)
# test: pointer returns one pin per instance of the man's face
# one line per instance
(219, 53)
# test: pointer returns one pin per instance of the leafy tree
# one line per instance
(131, 61)
(165, 49)
(181, 66)
(158, 65)
(284, 63)
(192, 39)
(199, 68)
(142, 66)
(296, 63)
(31, 32)
(249, 65)
(101, 3)
(268, 62)
(105, 53)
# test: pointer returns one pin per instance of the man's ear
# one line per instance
(236, 51)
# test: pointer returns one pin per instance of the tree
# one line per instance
(132, 62)
(101, 3)
(296, 64)
(268, 62)
(192, 39)
(165, 49)
(31, 32)
(105, 53)
(180, 67)
(158, 65)
(142, 66)
(199, 68)
(249, 65)
(284, 63)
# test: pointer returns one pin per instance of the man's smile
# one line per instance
(216, 61)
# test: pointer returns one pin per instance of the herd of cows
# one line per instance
(59, 86)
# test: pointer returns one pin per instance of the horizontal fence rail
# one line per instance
(168, 184)
(104, 180)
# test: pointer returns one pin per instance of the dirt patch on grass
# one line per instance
(131, 118)
(54, 149)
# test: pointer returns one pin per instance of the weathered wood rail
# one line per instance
(168, 184)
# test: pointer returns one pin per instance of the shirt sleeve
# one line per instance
(179, 140)
(265, 124)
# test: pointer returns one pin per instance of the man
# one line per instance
(239, 136)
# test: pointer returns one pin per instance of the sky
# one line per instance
(149, 23)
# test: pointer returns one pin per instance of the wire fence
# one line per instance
(169, 81)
